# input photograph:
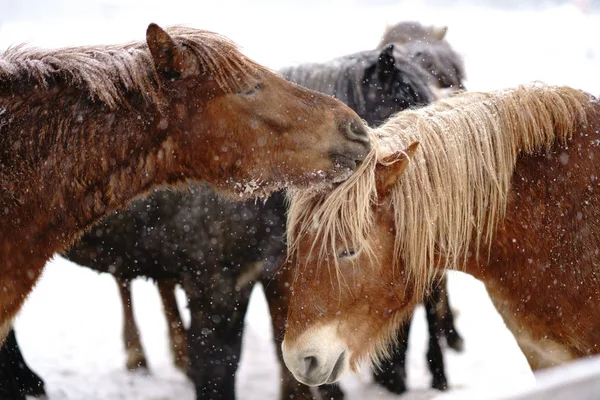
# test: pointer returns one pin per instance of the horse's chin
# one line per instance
(324, 180)
(316, 180)
(343, 167)
(339, 368)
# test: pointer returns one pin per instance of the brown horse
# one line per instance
(85, 130)
(502, 186)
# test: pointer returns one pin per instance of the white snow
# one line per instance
(70, 328)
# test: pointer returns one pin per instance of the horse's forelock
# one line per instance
(220, 58)
(343, 216)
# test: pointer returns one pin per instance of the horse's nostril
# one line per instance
(310, 365)
(357, 131)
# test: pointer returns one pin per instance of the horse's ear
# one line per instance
(386, 65)
(390, 168)
(439, 32)
(168, 56)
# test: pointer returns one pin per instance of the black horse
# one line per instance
(426, 46)
(214, 247)
(217, 249)
(374, 83)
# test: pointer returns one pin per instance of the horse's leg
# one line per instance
(445, 315)
(435, 357)
(9, 387)
(277, 294)
(217, 310)
(177, 334)
(16, 379)
(12, 363)
(5, 330)
(392, 373)
(131, 336)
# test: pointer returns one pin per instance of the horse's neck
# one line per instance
(83, 167)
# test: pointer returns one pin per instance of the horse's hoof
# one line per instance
(393, 380)
(456, 343)
(137, 364)
(440, 384)
(35, 389)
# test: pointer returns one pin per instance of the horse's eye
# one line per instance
(349, 252)
(253, 90)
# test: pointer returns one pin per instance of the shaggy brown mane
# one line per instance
(455, 190)
(105, 70)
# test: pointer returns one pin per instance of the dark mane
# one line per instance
(343, 78)
(108, 72)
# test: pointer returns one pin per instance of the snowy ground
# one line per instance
(70, 327)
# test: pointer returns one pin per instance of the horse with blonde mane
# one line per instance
(85, 130)
(501, 185)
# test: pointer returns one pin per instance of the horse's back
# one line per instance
(170, 232)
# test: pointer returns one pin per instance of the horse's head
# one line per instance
(392, 83)
(426, 46)
(441, 61)
(412, 31)
(233, 118)
(350, 293)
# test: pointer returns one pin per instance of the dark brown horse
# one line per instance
(85, 130)
(501, 185)
(426, 46)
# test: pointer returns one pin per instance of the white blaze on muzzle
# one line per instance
(318, 356)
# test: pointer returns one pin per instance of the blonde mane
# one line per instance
(107, 72)
(455, 189)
